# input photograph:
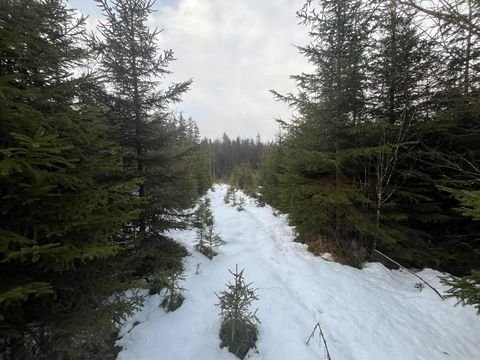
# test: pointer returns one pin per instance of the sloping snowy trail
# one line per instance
(369, 314)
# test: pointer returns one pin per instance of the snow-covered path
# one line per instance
(369, 314)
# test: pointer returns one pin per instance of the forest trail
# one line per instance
(369, 314)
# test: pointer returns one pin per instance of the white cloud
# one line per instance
(235, 51)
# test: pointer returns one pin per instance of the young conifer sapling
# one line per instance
(238, 331)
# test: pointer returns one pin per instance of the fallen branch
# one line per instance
(321, 337)
(411, 272)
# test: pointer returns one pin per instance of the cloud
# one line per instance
(235, 51)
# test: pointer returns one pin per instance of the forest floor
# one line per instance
(368, 314)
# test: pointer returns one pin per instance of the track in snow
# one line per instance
(369, 314)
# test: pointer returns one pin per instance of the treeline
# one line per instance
(384, 151)
(228, 154)
(93, 170)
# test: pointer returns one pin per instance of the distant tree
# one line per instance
(243, 178)
(241, 203)
(228, 154)
(230, 196)
(269, 176)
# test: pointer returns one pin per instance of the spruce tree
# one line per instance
(466, 289)
(207, 238)
(268, 175)
(63, 199)
(230, 196)
(238, 331)
(133, 67)
(447, 165)
(243, 178)
(383, 151)
(399, 68)
(228, 154)
(320, 187)
(173, 297)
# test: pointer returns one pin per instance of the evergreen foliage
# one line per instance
(63, 199)
(238, 331)
(466, 289)
(228, 154)
(89, 178)
(269, 176)
(243, 178)
(133, 66)
(383, 151)
(241, 203)
(230, 196)
(173, 297)
(157, 146)
(207, 239)
(323, 194)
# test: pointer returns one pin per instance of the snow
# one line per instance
(369, 314)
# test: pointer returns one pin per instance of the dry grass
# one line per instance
(344, 253)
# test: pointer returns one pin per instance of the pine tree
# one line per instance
(238, 331)
(451, 149)
(446, 158)
(241, 203)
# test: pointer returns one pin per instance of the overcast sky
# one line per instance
(235, 51)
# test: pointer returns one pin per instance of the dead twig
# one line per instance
(322, 338)
(411, 272)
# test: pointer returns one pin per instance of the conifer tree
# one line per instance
(228, 154)
(63, 199)
(243, 178)
(241, 203)
(322, 191)
(133, 67)
(447, 154)
(383, 151)
(238, 331)
(230, 196)
(400, 68)
(207, 239)
(173, 297)
(269, 174)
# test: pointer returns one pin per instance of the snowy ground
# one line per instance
(369, 314)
